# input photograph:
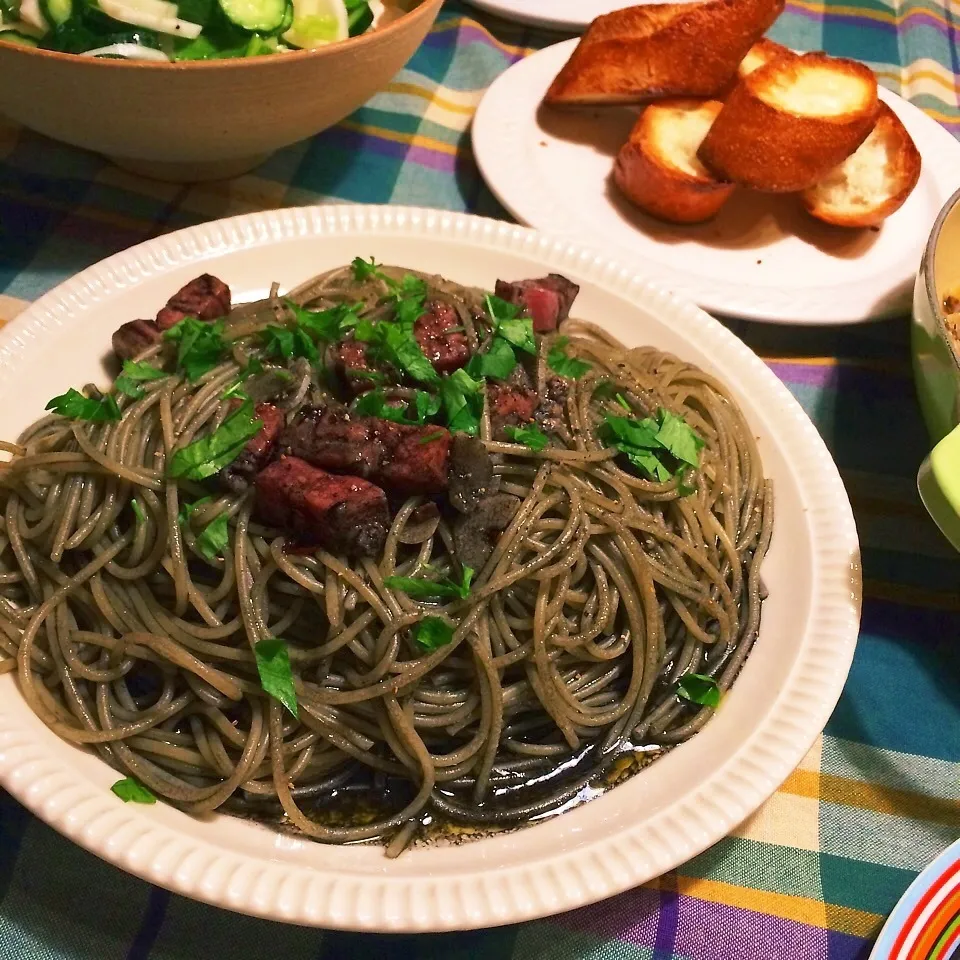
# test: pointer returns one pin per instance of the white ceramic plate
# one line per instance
(762, 258)
(572, 16)
(684, 802)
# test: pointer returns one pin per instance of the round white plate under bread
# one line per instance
(678, 806)
(572, 16)
(761, 258)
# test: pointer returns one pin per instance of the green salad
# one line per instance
(163, 30)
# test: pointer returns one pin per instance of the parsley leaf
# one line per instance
(462, 399)
(187, 509)
(134, 373)
(200, 346)
(364, 270)
(431, 589)
(679, 438)
(129, 789)
(498, 362)
(374, 404)
(76, 406)
(215, 537)
(204, 457)
(622, 400)
(276, 675)
(409, 288)
(395, 343)
(698, 688)
(559, 362)
(508, 324)
(432, 633)
(661, 448)
(430, 437)
(327, 325)
(530, 436)
(138, 511)
(284, 343)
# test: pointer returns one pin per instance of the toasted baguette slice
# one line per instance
(658, 170)
(662, 50)
(873, 182)
(789, 123)
(761, 53)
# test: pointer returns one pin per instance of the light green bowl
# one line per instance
(937, 371)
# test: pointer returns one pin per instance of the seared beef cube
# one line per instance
(416, 460)
(471, 472)
(547, 300)
(204, 298)
(391, 454)
(335, 441)
(350, 362)
(475, 533)
(345, 515)
(446, 351)
(512, 405)
(133, 338)
(237, 476)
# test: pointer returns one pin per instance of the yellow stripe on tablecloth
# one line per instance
(411, 139)
(806, 910)
(447, 100)
(862, 13)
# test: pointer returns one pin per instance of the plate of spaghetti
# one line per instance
(404, 570)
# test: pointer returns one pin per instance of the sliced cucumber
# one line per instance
(359, 17)
(287, 21)
(56, 12)
(317, 23)
(258, 16)
(18, 38)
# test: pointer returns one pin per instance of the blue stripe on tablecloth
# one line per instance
(153, 917)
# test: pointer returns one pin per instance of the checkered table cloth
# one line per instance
(815, 871)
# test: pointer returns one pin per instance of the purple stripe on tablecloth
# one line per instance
(367, 140)
(468, 33)
(806, 374)
(701, 929)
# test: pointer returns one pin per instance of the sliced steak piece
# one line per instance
(204, 298)
(510, 407)
(475, 533)
(237, 476)
(446, 351)
(471, 472)
(332, 439)
(133, 338)
(346, 515)
(547, 300)
(350, 363)
(417, 459)
(402, 458)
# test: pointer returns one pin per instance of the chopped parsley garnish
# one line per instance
(76, 406)
(214, 538)
(204, 457)
(187, 510)
(497, 363)
(462, 399)
(138, 511)
(200, 346)
(129, 790)
(133, 374)
(698, 688)
(530, 436)
(253, 367)
(622, 400)
(366, 269)
(276, 676)
(394, 342)
(409, 288)
(432, 633)
(286, 344)
(508, 324)
(374, 404)
(327, 325)
(661, 448)
(432, 589)
(430, 437)
(559, 362)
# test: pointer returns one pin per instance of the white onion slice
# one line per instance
(140, 18)
(129, 51)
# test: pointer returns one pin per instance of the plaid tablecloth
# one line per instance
(815, 871)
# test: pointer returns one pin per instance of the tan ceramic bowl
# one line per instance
(205, 120)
